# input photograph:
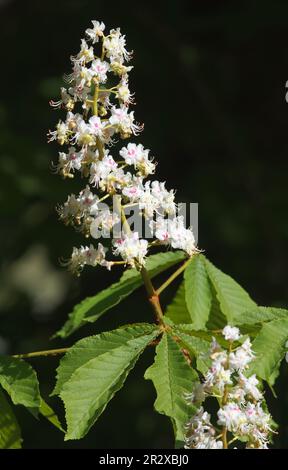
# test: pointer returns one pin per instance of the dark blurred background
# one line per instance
(210, 80)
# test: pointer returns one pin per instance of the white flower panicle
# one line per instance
(241, 410)
(97, 100)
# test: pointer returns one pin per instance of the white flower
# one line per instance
(66, 100)
(87, 256)
(257, 416)
(138, 157)
(77, 211)
(69, 162)
(123, 92)
(231, 333)
(79, 93)
(96, 126)
(131, 248)
(95, 32)
(99, 69)
(174, 233)
(101, 169)
(131, 154)
(200, 434)
(165, 197)
(243, 355)
(124, 121)
(89, 201)
(250, 386)
(103, 223)
(82, 134)
(231, 416)
(134, 191)
(120, 69)
(71, 210)
(218, 376)
(60, 134)
(85, 55)
(183, 239)
(114, 45)
(237, 394)
(82, 76)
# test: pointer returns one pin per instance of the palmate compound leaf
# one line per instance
(95, 369)
(10, 434)
(173, 378)
(20, 381)
(232, 297)
(269, 348)
(198, 293)
(90, 309)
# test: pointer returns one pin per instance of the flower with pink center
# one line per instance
(99, 70)
(131, 248)
(96, 126)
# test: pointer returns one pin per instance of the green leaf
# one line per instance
(90, 309)
(232, 297)
(216, 320)
(197, 292)
(20, 382)
(260, 315)
(198, 347)
(101, 365)
(269, 347)
(172, 378)
(177, 309)
(48, 413)
(89, 348)
(10, 434)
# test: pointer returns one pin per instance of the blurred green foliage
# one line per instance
(210, 82)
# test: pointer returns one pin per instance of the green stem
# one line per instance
(104, 197)
(95, 101)
(173, 276)
(49, 352)
(100, 148)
